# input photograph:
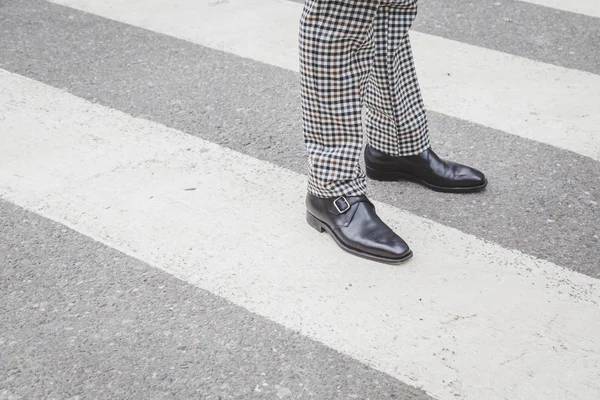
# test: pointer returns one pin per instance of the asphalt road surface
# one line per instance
(152, 234)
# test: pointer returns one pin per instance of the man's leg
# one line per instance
(396, 121)
(336, 53)
(335, 56)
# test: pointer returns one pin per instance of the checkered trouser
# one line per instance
(355, 53)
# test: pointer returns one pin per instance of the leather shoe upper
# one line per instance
(428, 167)
(354, 222)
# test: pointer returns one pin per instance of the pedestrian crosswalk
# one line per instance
(539, 101)
(467, 318)
(587, 7)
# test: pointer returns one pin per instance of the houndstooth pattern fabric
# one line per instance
(355, 53)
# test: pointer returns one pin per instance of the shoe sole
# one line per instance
(397, 176)
(320, 226)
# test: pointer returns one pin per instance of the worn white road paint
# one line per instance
(538, 101)
(587, 7)
(463, 319)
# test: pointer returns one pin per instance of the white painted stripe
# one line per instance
(463, 319)
(587, 7)
(534, 100)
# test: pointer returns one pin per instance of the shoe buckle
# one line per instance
(347, 205)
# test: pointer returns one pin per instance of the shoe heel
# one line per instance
(315, 223)
(382, 175)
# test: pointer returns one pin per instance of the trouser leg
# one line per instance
(335, 56)
(396, 122)
(352, 50)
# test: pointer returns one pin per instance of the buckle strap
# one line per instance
(342, 204)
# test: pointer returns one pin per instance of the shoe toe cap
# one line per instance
(470, 177)
(393, 247)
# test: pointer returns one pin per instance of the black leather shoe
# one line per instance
(356, 228)
(425, 168)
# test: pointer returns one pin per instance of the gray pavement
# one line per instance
(523, 29)
(81, 320)
(541, 200)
